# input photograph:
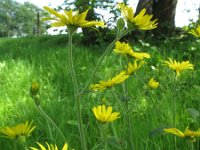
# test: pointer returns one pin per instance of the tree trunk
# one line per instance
(148, 4)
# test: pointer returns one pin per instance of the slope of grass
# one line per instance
(44, 59)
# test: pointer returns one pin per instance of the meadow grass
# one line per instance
(44, 59)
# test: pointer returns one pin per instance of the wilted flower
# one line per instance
(179, 66)
(195, 32)
(186, 134)
(153, 84)
(141, 21)
(49, 147)
(20, 131)
(124, 49)
(104, 114)
(71, 19)
(109, 83)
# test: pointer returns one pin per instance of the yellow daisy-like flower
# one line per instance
(22, 130)
(125, 49)
(104, 114)
(121, 77)
(49, 147)
(195, 32)
(153, 84)
(138, 55)
(186, 134)
(141, 21)
(133, 67)
(179, 66)
(71, 19)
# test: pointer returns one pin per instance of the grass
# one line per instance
(44, 59)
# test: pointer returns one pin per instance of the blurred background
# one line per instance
(22, 17)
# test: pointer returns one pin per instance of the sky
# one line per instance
(185, 11)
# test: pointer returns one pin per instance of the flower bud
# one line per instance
(120, 23)
(34, 88)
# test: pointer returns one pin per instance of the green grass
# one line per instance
(44, 59)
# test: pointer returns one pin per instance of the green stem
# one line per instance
(151, 99)
(192, 146)
(77, 97)
(173, 102)
(52, 122)
(125, 90)
(108, 49)
(174, 107)
(155, 107)
(102, 128)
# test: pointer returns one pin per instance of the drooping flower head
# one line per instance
(49, 147)
(104, 114)
(153, 84)
(121, 77)
(186, 134)
(125, 49)
(20, 131)
(141, 21)
(195, 32)
(72, 20)
(178, 66)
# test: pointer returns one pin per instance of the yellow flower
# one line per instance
(105, 115)
(124, 49)
(133, 67)
(195, 32)
(71, 19)
(186, 134)
(138, 55)
(179, 66)
(141, 21)
(153, 84)
(49, 146)
(19, 131)
(121, 77)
